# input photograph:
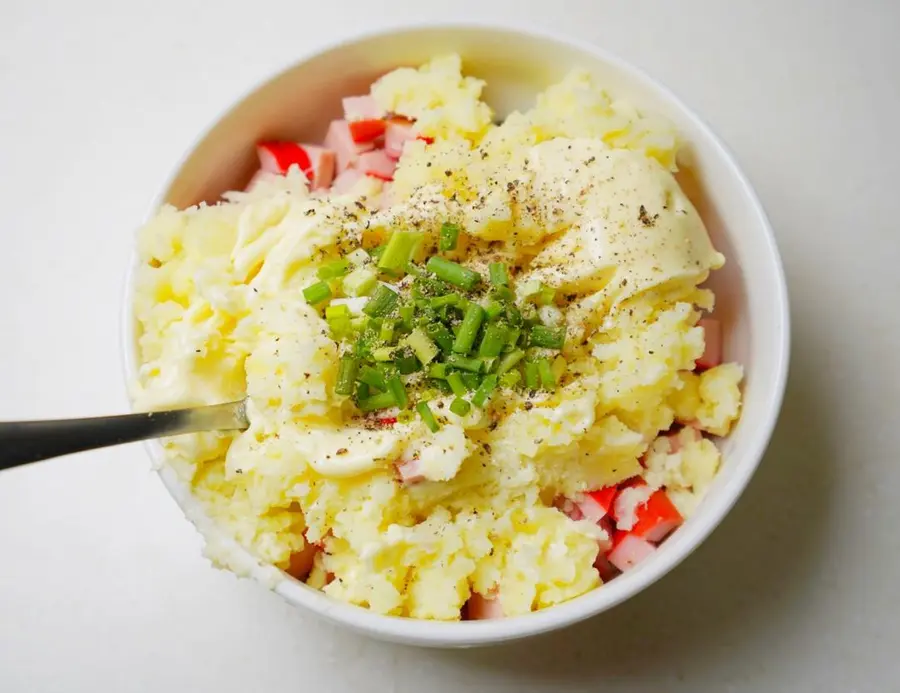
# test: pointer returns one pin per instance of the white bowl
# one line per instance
(752, 297)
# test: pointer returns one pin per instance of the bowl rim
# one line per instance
(477, 633)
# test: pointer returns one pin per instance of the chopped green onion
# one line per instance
(453, 273)
(558, 367)
(494, 310)
(449, 236)
(383, 400)
(413, 269)
(346, 375)
(397, 389)
(317, 293)
(386, 334)
(503, 293)
(438, 370)
(399, 250)
(546, 374)
(340, 328)
(512, 338)
(406, 362)
(542, 294)
(546, 295)
(493, 341)
(489, 363)
(442, 301)
(455, 381)
(358, 257)
(471, 380)
(382, 302)
(480, 398)
(531, 375)
(468, 329)
(514, 315)
(360, 282)
(431, 286)
(460, 407)
(406, 316)
(376, 252)
(547, 337)
(510, 379)
(428, 417)
(405, 416)
(339, 311)
(499, 275)
(509, 361)
(421, 344)
(440, 385)
(383, 354)
(333, 269)
(372, 377)
(440, 335)
(465, 364)
(362, 391)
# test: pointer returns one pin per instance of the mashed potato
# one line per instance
(577, 197)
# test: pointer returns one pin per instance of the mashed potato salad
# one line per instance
(479, 374)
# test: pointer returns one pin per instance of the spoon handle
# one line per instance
(22, 442)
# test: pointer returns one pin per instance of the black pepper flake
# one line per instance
(529, 406)
(341, 451)
(310, 212)
(448, 173)
(428, 165)
(360, 205)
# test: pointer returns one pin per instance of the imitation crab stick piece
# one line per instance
(712, 354)
(316, 162)
(362, 108)
(629, 550)
(345, 180)
(340, 140)
(397, 133)
(366, 130)
(410, 471)
(656, 518)
(595, 505)
(377, 164)
(481, 608)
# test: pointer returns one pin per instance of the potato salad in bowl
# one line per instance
(482, 370)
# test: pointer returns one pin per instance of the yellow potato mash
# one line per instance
(576, 196)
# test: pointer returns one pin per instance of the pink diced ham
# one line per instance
(569, 508)
(712, 354)
(481, 608)
(606, 569)
(315, 161)
(362, 108)
(410, 471)
(630, 550)
(397, 133)
(377, 164)
(340, 141)
(346, 179)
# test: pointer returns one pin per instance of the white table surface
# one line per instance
(102, 586)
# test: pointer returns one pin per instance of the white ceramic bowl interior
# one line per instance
(752, 300)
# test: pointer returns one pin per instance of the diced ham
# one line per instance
(377, 164)
(340, 141)
(362, 108)
(629, 550)
(345, 181)
(366, 130)
(301, 562)
(657, 518)
(410, 471)
(480, 608)
(712, 354)
(397, 133)
(316, 162)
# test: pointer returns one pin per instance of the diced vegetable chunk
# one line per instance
(657, 518)
(629, 550)
(377, 164)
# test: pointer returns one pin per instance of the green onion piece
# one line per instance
(449, 236)
(510, 379)
(382, 302)
(504, 294)
(421, 344)
(494, 310)
(546, 374)
(341, 311)
(546, 295)
(547, 337)
(509, 361)
(317, 293)
(346, 375)
(439, 334)
(465, 364)
(498, 273)
(514, 315)
(460, 407)
(406, 313)
(376, 252)
(362, 391)
(512, 338)
(468, 329)
(399, 250)
(413, 269)
(333, 269)
(493, 341)
(471, 380)
(386, 334)
(360, 282)
(558, 368)
(455, 381)
(383, 354)
(541, 293)
(372, 377)
(440, 385)
(406, 362)
(480, 398)
(531, 375)
(428, 417)
(441, 301)
(489, 363)
(383, 400)
(340, 328)
(438, 370)
(453, 273)
(405, 416)
(358, 257)
(397, 389)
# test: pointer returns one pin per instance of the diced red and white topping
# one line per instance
(480, 608)
(366, 130)
(316, 162)
(568, 507)
(340, 140)
(657, 518)
(595, 505)
(628, 502)
(712, 354)
(629, 550)
(675, 439)
(362, 108)
(377, 164)
(346, 179)
(397, 133)
(606, 569)
(410, 471)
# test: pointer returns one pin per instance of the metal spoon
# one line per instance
(22, 442)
